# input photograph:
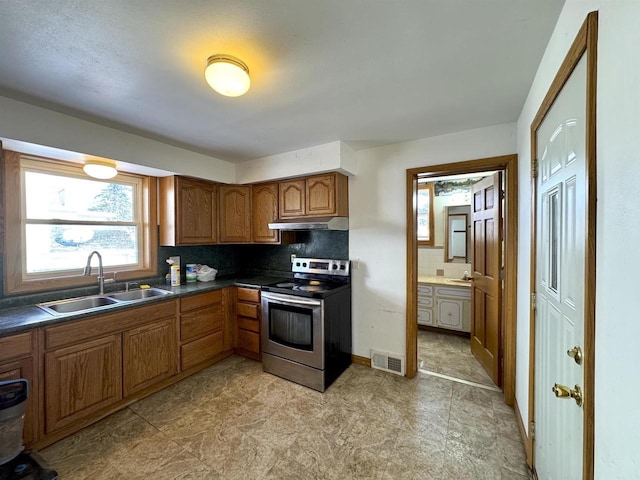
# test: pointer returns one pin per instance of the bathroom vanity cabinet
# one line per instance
(444, 306)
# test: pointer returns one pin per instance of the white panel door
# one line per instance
(560, 271)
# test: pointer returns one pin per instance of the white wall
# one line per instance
(329, 157)
(377, 226)
(28, 123)
(617, 418)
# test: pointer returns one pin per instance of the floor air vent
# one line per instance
(388, 362)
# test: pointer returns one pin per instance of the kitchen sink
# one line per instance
(76, 304)
(139, 294)
(97, 302)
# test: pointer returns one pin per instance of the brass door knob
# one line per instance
(562, 391)
(576, 354)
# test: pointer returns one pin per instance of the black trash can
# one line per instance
(13, 402)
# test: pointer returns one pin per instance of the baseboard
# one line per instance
(361, 360)
(528, 447)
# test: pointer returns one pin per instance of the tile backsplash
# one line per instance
(431, 260)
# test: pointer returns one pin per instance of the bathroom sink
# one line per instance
(459, 280)
(76, 304)
(139, 294)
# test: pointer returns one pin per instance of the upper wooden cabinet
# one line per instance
(292, 198)
(264, 210)
(320, 195)
(188, 211)
(235, 213)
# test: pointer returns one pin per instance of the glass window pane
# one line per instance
(58, 197)
(66, 247)
(424, 200)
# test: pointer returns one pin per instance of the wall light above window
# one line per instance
(227, 75)
(102, 169)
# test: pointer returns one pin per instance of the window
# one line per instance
(57, 216)
(425, 214)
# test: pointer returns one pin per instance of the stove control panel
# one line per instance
(321, 266)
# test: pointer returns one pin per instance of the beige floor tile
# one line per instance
(232, 421)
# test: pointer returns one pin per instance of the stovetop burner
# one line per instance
(314, 278)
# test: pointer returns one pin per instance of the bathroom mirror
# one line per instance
(457, 244)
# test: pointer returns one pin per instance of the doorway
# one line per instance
(507, 164)
(451, 333)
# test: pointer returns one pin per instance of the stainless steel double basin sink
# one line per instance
(96, 302)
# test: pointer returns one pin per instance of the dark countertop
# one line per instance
(20, 319)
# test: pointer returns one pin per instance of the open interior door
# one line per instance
(486, 289)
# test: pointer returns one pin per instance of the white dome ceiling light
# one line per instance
(227, 75)
(101, 169)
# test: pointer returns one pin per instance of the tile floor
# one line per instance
(450, 355)
(232, 421)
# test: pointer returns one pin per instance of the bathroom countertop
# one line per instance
(450, 282)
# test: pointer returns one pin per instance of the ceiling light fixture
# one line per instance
(102, 169)
(227, 75)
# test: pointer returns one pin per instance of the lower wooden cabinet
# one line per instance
(17, 360)
(93, 365)
(248, 322)
(99, 364)
(81, 380)
(149, 355)
(202, 319)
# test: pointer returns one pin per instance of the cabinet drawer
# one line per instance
(248, 295)
(247, 310)
(16, 345)
(203, 321)
(425, 289)
(200, 350)
(250, 324)
(463, 292)
(425, 317)
(425, 301)
(202, 300)
(249, 341)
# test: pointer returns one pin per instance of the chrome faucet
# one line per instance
(87, 270)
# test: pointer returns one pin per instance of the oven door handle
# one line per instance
(280, 299)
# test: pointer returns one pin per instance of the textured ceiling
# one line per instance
(367, 72)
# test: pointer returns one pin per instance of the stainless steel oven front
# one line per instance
(292, 328)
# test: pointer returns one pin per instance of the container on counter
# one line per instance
(192, 274)
(175, 275)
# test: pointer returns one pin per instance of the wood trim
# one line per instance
(523, 434)
(357, 359)
(431, 242)
(508, 163)
(411, 365)
(585, 41)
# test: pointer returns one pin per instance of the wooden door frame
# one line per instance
(508, 164)
(585, 43)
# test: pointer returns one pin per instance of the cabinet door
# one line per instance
(292, 198)
(449, 313)
(81, 380)
(196, 210)
(24, 369)
(235, 213)
(150, 354)
(264, 210)
(321, 195)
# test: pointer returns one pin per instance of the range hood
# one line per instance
(311, 223)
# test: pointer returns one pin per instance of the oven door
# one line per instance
(292, 328)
